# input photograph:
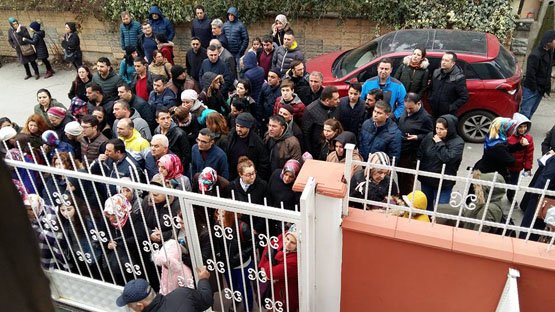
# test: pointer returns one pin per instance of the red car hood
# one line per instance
(323, 64)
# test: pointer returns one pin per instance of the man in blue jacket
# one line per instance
(160, 23)
(380, 134)
(129, 30)
(206, 154)
(393, 90)
(236, 33)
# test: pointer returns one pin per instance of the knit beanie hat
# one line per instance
(12, 20)
(245, 120)
(73, 128)
(50, 137)
(288, 107)
(177, 70)
(57, 112)
(293, 231)
(35, 26)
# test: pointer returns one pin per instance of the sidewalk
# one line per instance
(18, 96)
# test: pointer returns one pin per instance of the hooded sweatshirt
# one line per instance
(254, 73)
(523, 157)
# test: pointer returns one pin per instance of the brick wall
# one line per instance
(315, 36)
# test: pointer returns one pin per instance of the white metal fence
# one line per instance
(494, 214)
(110, 239)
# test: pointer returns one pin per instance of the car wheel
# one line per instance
(473, 126)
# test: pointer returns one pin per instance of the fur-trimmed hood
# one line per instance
(423, 64)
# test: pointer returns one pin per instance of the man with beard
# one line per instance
(136, 102)
(97, 98)
(281, 143)
(194, 58)
(201, 27)
(106, 78)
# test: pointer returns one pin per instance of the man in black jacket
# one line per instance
(201, 26)
(314, 116)
(194, 58)
(448, 87)
(140, 105)
(537, 81)
(139, 296)
(178, 141)
(243, 141)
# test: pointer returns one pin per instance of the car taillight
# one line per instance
(507, 88)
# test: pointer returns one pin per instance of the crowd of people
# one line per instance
(237, 120)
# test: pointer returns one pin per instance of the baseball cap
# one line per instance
(134, 291)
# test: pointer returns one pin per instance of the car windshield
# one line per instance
(407, 41)
(506, 62)
(355, 58)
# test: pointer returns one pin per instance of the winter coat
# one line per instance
(282, 57)
(40, 45)
(524, 158)
(447, 91)
(215, 158)
(255, 151)
(351, 118)
(141, 106)
(296, 103)
(282, 149)
(280, 193)
(174, 272)
(236, 34)
(498, 158)
(193, 62)
(178, 144)
(313, 123)
(539, 66)
(202, 29)
(257, 193)
(126, 71)
(218, 68)
(230, 62)
(78, 89)
(167, 99)
(162, 24)
(15, 39)
(184, 299)
(156, 216)
(234, 255)
(72, 43)
(109, 84)
(149, 83)
(129, 34)
(266, 101)
(145, 46)
(386, 138)
(108, 107)
(91, 149)
(549, 141)
(393, 90)
(419, 124)
(254, 73)
(415, 79)
(433, 155)
(285, 292)
(364, 188)
(43, 113)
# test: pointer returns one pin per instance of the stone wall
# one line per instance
(315, 36)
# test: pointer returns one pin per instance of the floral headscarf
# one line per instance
(119, 206)
(36, 203)
(500, 129)
(173, 165)
(207, 179)
(293, 166)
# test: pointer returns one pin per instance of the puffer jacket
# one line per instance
(129, 33)
(162, 24)
(523, 157)
(109, 84)
(414, 79)
(202, 29)
(449, 151)
(386, 138)
(254, 73)
(447, 91)
(282, 57)
(236, 34)
(40, 45)
(539, 66)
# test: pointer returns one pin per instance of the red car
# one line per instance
(492, 72)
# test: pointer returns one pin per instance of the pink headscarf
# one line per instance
(172, 163)
(119, 206)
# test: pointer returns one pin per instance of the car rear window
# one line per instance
(434, 40)
(502, 67)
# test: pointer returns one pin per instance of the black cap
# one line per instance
(134, 291)
(245, 120)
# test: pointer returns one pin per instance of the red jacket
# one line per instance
(278, 276)
(298, 108)
(524, 157)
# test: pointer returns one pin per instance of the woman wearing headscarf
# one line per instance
(72, 45)
(24, 50)
(280, 186)
(53, 144)
(122, 244)
(169, 166)
(339, 154)
(373, 183)
(279, 27)
(497, 155)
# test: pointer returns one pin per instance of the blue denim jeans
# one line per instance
(431, 193)
(530, 102)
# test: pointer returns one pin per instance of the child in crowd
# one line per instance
(417, 200)
(524, 156)
(256, 45)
